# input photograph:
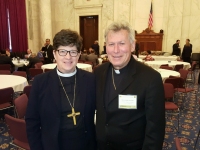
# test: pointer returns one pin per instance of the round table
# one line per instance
(157, 64)
(16, 82)
(21, 63)
(160, 58)
(166, 73)
(83, 66)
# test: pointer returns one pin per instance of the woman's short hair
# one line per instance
(67, 37)
(120, 25)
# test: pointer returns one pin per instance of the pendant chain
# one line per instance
(72, 106)
(113, 80)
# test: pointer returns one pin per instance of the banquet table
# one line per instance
(157, 64)
(160, 58)
(83, 66)
(16, 82)
(21, 62)
(166, 73)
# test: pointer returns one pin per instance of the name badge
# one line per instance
(127, 102)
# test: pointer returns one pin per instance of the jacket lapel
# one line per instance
(128, 79)
(53, 85)
(82, 83)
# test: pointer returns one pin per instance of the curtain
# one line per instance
(4, 38)
(18, 26)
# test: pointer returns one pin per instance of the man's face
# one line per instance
(47, 42)
(119, 48)
(28, 51)
(66, 64)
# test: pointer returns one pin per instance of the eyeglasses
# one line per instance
(63, 52)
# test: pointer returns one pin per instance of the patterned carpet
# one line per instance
(188, 129)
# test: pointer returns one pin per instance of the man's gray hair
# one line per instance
(120, 25)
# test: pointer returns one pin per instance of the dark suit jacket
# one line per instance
(176, 50)
(49, 51)
(187, 51)
(141, 128)
(6, 60)
(44, 110)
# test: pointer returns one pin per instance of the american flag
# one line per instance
(150, 23)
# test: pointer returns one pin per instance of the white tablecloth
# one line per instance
(21, 63)
(16, 82)
(83, 66)
(167, 58)
(157, 64)
(166, 73)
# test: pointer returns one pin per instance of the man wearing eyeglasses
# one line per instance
(60, 111)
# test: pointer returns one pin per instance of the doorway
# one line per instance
(88, 30)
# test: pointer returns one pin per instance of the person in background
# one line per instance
(61, 106)
(176, 50)
(92, 58)
(9, 54)
(148, 57)
(187, 51)
(129, 97)
(47, 51)
(4, 59)
(137, 48)
(83, 55)
(29, 53)
(95, 47)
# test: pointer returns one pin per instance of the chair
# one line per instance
(90, 63)
(170, 106)
(192, 71)
(196, 140)
(178, 144)
(183, 74)
(34, 71)
(27, 90)
(6, 98)
(20, 105)
(20, 73)
(38, 65)
(80, 61)
(17, 129)
(166, 67)
(5, 72)
(46, 70)
(178, 67)
(5, 67)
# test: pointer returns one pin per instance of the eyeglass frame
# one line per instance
(68, 52)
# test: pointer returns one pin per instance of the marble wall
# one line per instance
(179, 19)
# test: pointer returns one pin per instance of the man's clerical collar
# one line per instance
(66, 74)
(117, 71)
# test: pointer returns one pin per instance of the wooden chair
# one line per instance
(6, 98)
(166, 67)
(27, 90)
(34, 71)
(178, 144)
(5, 72)
(171, 106)
(38, 65)
(5, 67)
(20, 73)
(178, 67)
(21, 105)
(17, 129)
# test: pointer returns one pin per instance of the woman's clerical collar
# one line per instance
(66, 74)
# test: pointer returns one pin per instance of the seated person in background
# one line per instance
(83, 55)
(9, 54)
(33, 59)
(29, 52)
(148, 57)
(6, 60)
(92, 57)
